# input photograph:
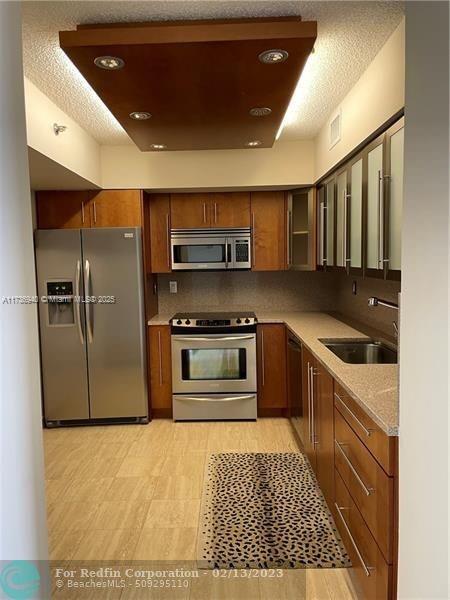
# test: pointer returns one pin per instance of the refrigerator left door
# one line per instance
(62, 325)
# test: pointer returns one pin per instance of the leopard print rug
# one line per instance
(265, 510)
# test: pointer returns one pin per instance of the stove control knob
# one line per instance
(179, 322)
(238, 321)
(188, 322)
(247, 320)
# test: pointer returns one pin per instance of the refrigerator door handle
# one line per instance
(77, 301)
(87, 278)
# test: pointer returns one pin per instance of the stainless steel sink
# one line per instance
(363, 352)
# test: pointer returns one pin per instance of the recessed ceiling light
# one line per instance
(158, 146)
(254, 143)
(140, 116)
(260, 111)
(110, 63)
(272, 57)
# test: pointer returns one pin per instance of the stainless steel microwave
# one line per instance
(203, 249)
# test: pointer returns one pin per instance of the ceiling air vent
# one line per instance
(335, 129)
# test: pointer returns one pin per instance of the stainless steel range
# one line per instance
(214, 366)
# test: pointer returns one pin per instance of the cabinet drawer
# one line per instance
(382, 446)
(371, 489)
(371, 572)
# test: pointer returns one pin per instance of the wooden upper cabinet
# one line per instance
(63, 210)
(159, 212)
(190, 211)
(76, 209)
(230, 209)
(272, 369)
(195, 211)
(116, 208)
(268, 214)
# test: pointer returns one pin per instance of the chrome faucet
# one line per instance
(379, 302)
(373, 301)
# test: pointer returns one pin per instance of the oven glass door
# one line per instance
(200, 253)
(217, 363)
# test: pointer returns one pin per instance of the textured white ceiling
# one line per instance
(349, 36)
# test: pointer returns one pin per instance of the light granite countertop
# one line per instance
(373, 387)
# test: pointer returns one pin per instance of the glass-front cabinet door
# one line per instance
(394, 198)
(341, 219)
(330, 221)
(355, 216)
(326, 225)
(302, 229)
(375, 207)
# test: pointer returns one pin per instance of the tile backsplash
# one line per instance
(357, 307)
(234, 290)
(279, 291)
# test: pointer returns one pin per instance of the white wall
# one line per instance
(74, 149)
(424, 358)
(22, 504)
(377, 95)
(287, 163)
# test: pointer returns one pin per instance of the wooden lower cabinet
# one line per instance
(372, 575)
(324, 431)
(271, 365)
(308, 365)
(160, 370)
(366, 497)
(318, 436)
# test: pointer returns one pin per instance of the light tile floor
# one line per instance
(132, 492)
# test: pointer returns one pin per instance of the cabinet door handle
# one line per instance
(160, 359)
(323, 208)
(380, 220)
(82, 211)
(309, 402)
(347, 259)
(215, 212)
(360, 556)
(168, 240)
(289, 239)
(263, 361)
(313, 400)
(204, 212)
(368, 432)
(253, 233)
(95, 212)
(367, 490)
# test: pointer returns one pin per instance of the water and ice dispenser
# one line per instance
(60, 302)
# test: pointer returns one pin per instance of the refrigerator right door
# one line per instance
(62, 325)
(115, 330)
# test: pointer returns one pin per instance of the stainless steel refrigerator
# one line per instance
(92, 324)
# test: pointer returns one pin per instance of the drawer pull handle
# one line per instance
(368, 432)
(364, 566)
(366, 489)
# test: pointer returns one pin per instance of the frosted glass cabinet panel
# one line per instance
(356, 214)
(341, 219)
(301, 230)
(330, 200)
(395, 182)
(374, 206)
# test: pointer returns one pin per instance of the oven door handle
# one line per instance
(209, 399)
(215, 339)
